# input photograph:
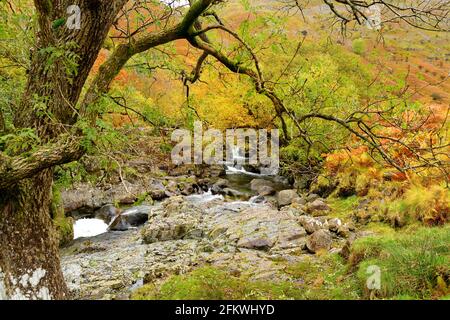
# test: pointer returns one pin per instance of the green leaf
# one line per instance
(58, 23)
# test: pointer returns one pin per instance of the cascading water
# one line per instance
(238, 159)
(205, 197)
(89, 228)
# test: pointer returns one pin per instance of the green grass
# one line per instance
(379, 228)
(414, 265)
(325, 277)
(209, 283)
(343, 207)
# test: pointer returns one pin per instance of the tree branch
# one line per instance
(15, 169)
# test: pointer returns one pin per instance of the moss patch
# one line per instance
(209, 283)
(343, 207)
(325, 277)
(63, 225)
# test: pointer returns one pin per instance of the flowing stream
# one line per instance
(238, 178)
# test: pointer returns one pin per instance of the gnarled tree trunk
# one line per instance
(29, 259)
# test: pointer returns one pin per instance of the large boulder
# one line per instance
(257, 184)
(266, 191)
(219, 185)
(84, 199)
(132, 217)
(287, 197)
(258, 228)
(334, 224)
(317, 207)
(319, 240)
(156, 190)
(310, 224)
(175, 219)
(171, 228)
(107, 213)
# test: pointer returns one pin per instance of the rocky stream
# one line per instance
(240, 220)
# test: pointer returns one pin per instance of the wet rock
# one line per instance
(132, 217)
(107, 213)
(137, 215)
(157, 190)
(251, 168)
(232, 193)
(119, 224)
(319, 240)
(287, 197)
(204, 184)
(257, 199)
(219, 185)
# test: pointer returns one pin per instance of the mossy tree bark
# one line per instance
(29, 258)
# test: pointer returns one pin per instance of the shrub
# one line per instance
(359, 46)
(429, 205)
